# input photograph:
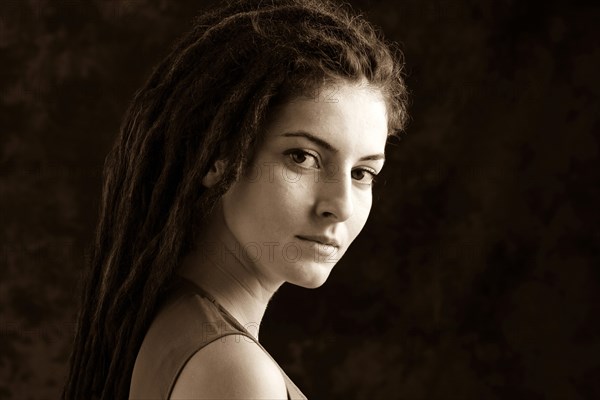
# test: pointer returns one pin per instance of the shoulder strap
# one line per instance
(291, 387)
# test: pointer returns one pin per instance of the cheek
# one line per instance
(361, 214)
(239, 208)
(262, 207)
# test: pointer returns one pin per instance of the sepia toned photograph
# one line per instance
(299, 199)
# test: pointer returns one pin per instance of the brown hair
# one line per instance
(208, 99)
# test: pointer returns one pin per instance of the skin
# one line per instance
(312, 175)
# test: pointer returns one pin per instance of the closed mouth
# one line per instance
(321, 239)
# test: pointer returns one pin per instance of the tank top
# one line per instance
(188, 320)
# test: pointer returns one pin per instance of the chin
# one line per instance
(312, 277)
(311, 285)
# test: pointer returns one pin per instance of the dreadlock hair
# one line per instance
(208, 100)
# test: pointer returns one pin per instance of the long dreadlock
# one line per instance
(208, 99)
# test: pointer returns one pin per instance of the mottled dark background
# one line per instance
(477, 276)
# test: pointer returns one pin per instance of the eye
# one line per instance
(303, 158)
(364, 176)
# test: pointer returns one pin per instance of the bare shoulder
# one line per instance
(230, 368)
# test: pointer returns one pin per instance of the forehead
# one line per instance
(350, 117)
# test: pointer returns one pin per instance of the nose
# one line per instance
(335, 198)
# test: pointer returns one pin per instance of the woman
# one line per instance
(246, 161)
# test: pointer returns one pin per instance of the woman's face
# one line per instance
(309, 191)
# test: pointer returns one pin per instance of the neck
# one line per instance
(220, 267)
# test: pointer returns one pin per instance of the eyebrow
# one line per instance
(327, 146)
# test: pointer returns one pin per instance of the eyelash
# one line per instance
(292, 152)
(370, 172)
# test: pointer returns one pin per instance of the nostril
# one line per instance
(327, 214)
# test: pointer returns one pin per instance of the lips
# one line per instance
(321, 239)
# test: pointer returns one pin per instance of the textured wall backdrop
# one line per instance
(477, 276)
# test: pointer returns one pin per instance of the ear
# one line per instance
(215, 173)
